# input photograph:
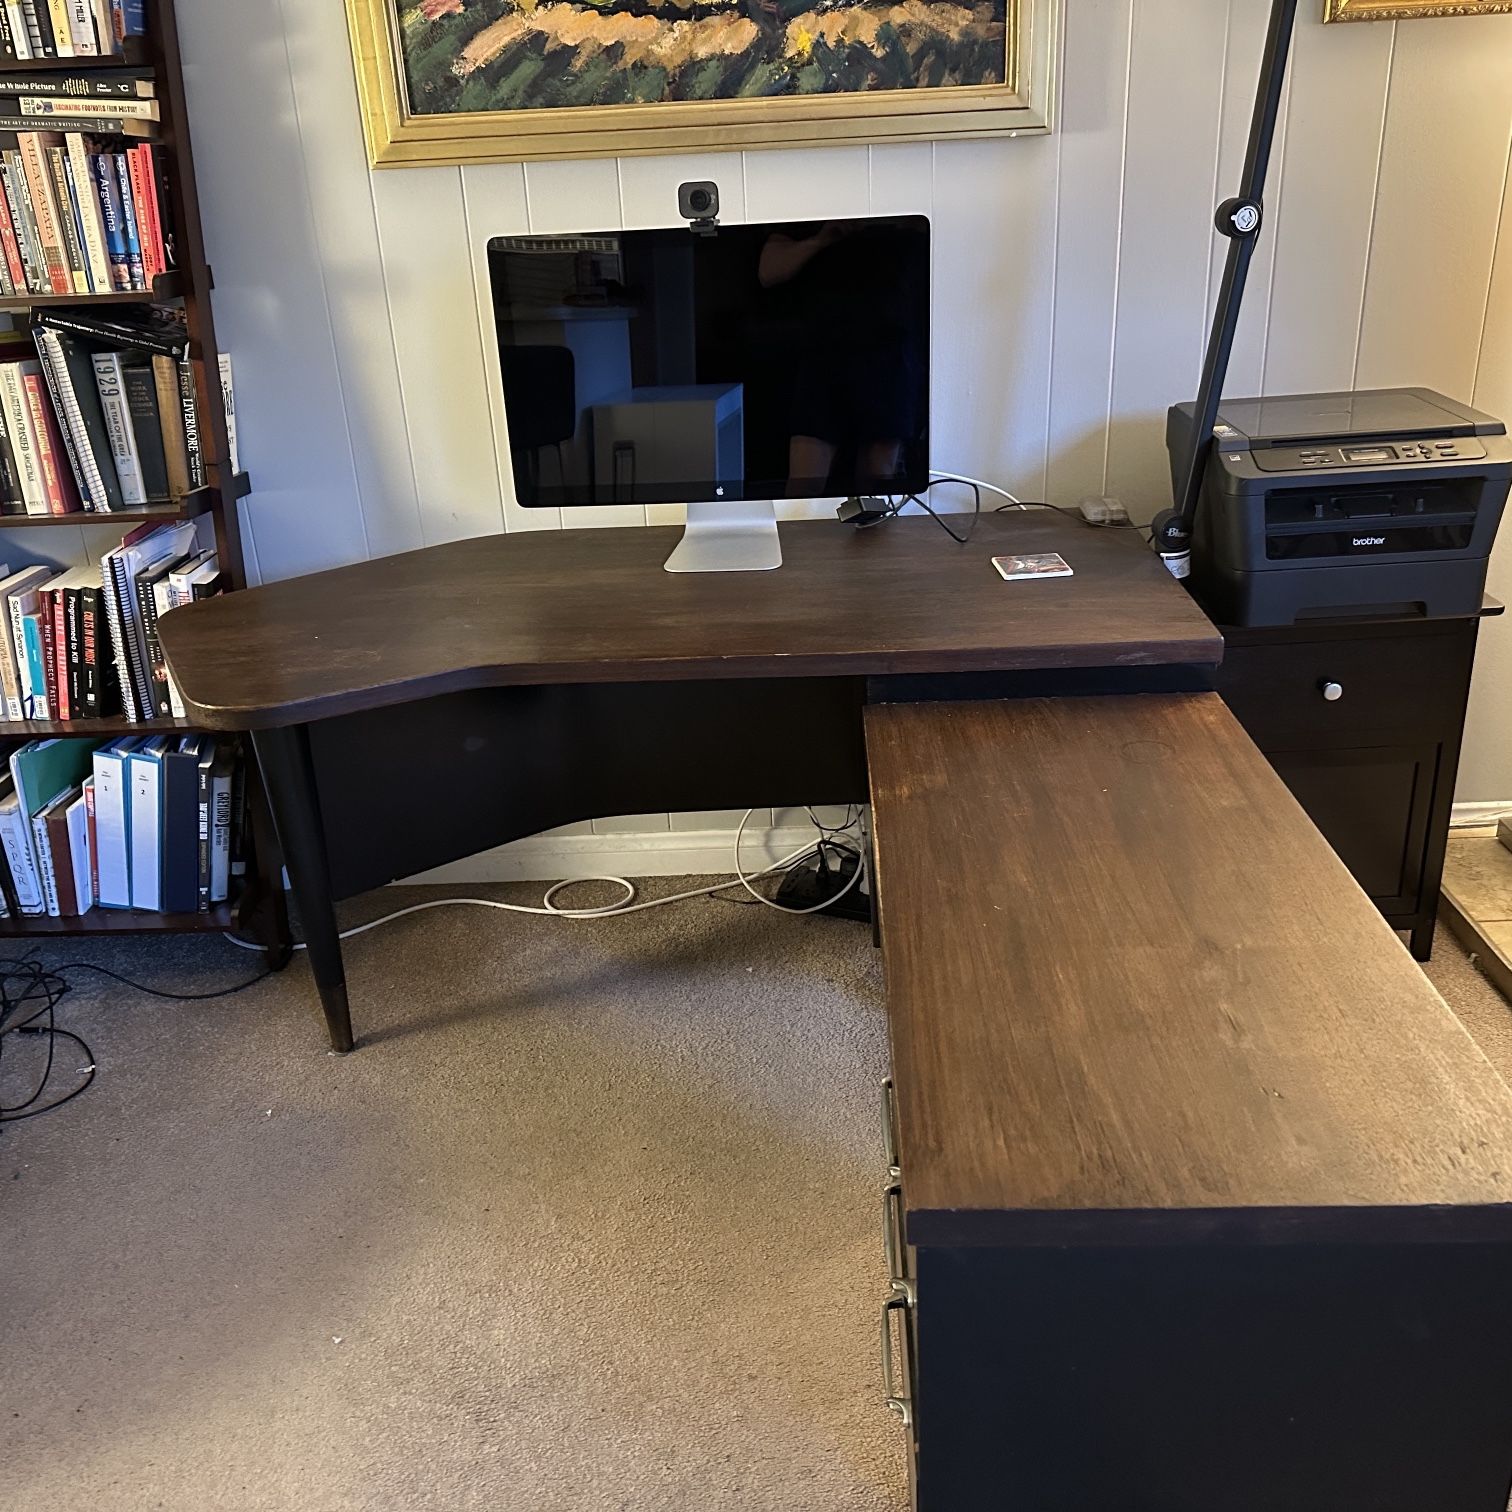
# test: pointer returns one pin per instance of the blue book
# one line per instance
(112, 214)
(134, 17)
(36, 672)
(129, 221)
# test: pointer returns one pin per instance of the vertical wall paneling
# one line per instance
(271, 306)
(493, 202)
(1094, 107)
(1321, 234)
(562, 198)
(439, 344)
(994, 279)
(1447, 131)
(1169, 178)
(356, 281)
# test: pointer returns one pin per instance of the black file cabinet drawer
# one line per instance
(1363, 724)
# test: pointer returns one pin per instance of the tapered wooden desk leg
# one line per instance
(289, 775)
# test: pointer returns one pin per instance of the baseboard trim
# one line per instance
(657, 853)
(1478, 815)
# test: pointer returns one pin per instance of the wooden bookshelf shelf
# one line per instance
(113, 921)
(188, 508)
(135, 56)
(168, 286)
(92, 729)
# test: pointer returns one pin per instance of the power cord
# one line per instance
(630, 903)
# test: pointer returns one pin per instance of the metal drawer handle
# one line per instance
(889, 1131)
(901, 1301)
(1331, 691)
(892, 1232)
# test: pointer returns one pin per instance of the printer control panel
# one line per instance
(1321, 455)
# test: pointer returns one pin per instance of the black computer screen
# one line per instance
(758, 362)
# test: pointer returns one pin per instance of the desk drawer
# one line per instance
(1327, 689)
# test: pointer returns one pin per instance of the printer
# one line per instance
(1381, 502)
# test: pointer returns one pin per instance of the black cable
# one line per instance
(50, 987)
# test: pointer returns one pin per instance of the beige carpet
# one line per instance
(591, 1222)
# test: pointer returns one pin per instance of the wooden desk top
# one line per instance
(595, 606)
(1135, 997)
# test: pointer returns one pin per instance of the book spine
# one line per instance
(43, 846)
(112, 842)
(20, 37)
(18, 427)
(73, 624)
(144, 192)
(10, 677)
(205, 798)
(75, 432)
(107, 366)
(145, 828)
(57, 18)
(171, 422)
(92, 836)
(111, 214)
(39, 186)
(10, 242)
(129, 222)
(39, 28)
(134, 18)
(55, 822)
(104, 122)
(36, 672)
(94, 661)
(12, 500)
(66, 108)
(187, 389)
(228, 397)
(148, 611)
(68, 225)
(92, 224)
(169, 341)
(25, 705)
(51, 483)
(95, 84)
(77, 203)
(7, 36)
(18, 855)
(58, 619)
(81, 29)
(119, 625)
(18, 197)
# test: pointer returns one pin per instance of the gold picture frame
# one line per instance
(1411, 10)
(397, 135)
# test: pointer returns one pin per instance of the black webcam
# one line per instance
(698, 203)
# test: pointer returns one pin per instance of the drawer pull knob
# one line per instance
(1332, 691)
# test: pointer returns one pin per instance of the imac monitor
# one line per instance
(721, 368)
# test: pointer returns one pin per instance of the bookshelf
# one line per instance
(258, 907)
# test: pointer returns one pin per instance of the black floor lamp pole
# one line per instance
(1240, 219)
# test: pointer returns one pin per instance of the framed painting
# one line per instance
(1410, 10)
(466, 81)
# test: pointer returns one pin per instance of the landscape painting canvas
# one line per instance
(479, 80)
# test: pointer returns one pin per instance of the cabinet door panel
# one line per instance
(1372, 806)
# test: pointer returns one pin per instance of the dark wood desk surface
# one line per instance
(595, 606)
(1152, 1005)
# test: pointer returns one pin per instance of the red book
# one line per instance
(11, 247)
(45, 598)
(144, 197)
(57, 478)
(59, 673)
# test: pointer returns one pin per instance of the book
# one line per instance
(228, 395)
(103, 123)
(39, 28)
(133, 19)
(18, 200)
(52, 453)
(146, 427)
(36, 671)
(142, 329)
(53, 841)
(12, 500)
(71, 376)
(112, 822)
(99, 692)
(81, 182)
(144, 773)
(19, 430)
(18, 861)
(171, 415)
(188, 401)
(180, 841)
(110, 382)
(129, 221)
(7, 36)
(57, 20)
(41, 769)
(81, 859)
(92, 839)
(10, 243)
(14, 591)
(42, 200)
(141, 550)
(144, 195)
(7, 881)
(81, 28)
(65, 109)
(68, 225)
(150, 605)
(97, 83)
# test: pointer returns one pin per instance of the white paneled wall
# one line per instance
(1073, 273)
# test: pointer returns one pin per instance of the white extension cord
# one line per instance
(626, 905)
(951, 477)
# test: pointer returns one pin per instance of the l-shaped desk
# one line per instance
(1197, 1200)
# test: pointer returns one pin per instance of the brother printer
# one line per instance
(1382, 502)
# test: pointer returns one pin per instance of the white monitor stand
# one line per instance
(733, 537)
